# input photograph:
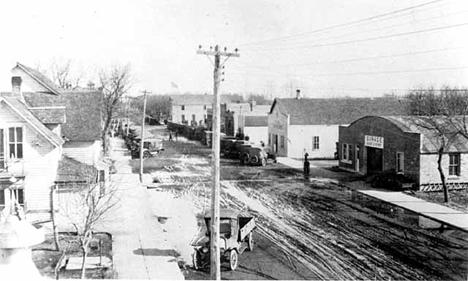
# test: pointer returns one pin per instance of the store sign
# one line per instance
(373, 141)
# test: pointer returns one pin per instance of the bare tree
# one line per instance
(63, 72)
(115, 82)
(443, 114)
(86, 208)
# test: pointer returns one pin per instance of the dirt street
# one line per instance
(307, 228)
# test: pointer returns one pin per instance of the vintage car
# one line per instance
(151, 147)
(256, 155)
(233, 150)
(235, 234)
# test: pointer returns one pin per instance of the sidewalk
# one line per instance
(436, 212)
(140, 248)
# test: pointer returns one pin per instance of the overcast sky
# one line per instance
(325, 47)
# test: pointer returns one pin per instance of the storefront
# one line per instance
(374, 144)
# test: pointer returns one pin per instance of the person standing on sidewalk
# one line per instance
(306, 164)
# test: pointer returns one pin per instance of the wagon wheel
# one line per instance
(254, 159)
(264, 162)
(146, 154)
(233, 260)
(196, 259)
(250, 242)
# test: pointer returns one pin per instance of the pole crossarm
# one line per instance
(215, 53)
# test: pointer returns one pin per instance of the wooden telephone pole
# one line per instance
(142, 136)
(215, 266)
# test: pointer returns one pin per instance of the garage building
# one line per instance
(373, 144)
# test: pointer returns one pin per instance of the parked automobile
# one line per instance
(233, 150)
(151, 147)
(256, 155)
(236, 236)
(392, 180)
(226, 142)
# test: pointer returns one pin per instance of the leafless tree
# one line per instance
(443, 114)
(63, 72)
(115, 82)
(87, 207)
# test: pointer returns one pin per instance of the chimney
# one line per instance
(298, 94)
(16, 87)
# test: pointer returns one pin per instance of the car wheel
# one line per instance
(227, 151)
(254, 159)
(233, 260)
(146, 154)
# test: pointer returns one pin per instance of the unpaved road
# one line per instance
(308, 229)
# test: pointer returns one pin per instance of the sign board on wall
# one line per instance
(374, 141)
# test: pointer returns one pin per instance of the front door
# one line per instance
(374, 160)
(275, 143)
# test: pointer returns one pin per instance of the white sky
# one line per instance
(160, 38)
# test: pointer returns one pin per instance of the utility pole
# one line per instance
(215, 265)
(142, 136)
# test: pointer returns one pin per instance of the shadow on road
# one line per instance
(157, 252)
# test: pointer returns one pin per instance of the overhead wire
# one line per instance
(365, 39)
(342, 25)
(300, 44)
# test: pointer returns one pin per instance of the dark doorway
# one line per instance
(374, 160)
(275, 142)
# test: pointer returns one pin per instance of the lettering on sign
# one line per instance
(374, 141)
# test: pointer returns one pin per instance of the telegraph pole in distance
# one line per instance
(142, 136)
(215, 265)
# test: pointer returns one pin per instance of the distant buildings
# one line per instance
(299, 125)
(190, 109)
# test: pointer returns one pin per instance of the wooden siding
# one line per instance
(87, 152)
(28, 83)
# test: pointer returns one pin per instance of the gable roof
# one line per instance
(49, 115)
(83, 110)
(40, 78)
(256, 121)
(335, 111)
(23, 111)
(430, 141)
(72, 171)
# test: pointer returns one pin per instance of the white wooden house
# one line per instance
(30, 149)
(83, 110)
(302, 125)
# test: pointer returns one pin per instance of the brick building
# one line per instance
(374, 144)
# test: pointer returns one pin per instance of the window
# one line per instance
(15, 142)
(204, 107)
(282, 141)
(454, 164)
(193, 117)
(183, 107)
(183, 118)
(345, 152)
(315, 142)
(269, 139)
(5, 196)
(400, 162)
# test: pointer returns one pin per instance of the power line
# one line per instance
(366, 58)
(362, 73)
(368, 39)
(342, 25)
(299, 44)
